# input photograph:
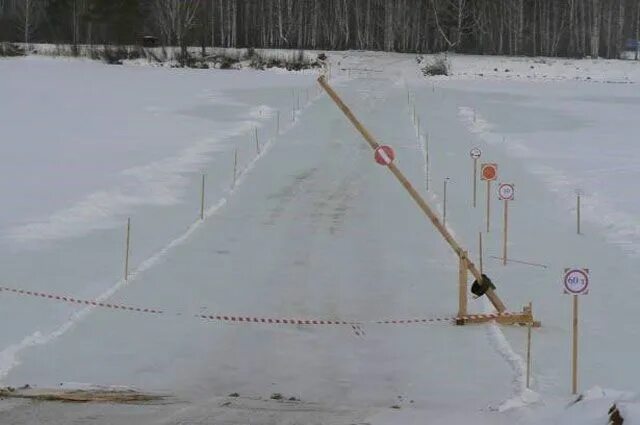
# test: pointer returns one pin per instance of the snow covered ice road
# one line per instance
(315, 229)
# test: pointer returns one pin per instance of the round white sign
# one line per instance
(576, 281)
(506, 192)
(475, 153)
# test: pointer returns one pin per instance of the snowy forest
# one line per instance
(573, 28)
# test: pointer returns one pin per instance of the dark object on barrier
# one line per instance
(480, 288)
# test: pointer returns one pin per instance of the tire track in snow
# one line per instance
(9, 357)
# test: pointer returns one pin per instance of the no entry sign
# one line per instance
(475, 153)
(506, 192)
(576, 281)
(384, 155)
(489, 171)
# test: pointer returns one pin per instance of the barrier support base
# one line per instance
(523, 318)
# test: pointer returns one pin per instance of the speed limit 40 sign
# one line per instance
(506, 192)
(576, 281)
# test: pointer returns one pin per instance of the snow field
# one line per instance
(63, 239)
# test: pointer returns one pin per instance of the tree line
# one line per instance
(574, 28)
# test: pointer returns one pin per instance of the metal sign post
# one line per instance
(475, 153)
(488, 173)
(575, 282)
(506, 193)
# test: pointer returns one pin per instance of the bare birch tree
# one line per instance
(28, 17)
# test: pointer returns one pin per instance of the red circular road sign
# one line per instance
(489, 171)
(384, 155)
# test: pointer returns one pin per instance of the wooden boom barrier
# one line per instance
(526, 316)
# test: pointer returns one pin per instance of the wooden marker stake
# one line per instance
(574, 351)
(427, 163)
(418, 127)
(462, 285)
(488, 206)
(480, 253)
(278, 122)
(529, 349)
(578, 212)
(202, 199)
(444, 202)
(504, 235)
(235, 166)
(257, 140)
(127, 248)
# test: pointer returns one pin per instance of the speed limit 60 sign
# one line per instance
(576, 281)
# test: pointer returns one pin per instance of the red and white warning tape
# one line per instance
(248, 319)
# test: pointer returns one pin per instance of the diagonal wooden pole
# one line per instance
(422, 204)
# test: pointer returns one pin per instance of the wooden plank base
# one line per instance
(523, 318)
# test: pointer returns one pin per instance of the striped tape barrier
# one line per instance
(249, 319)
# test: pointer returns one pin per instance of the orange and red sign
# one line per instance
(489, 171)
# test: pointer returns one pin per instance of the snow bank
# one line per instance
(542, 69)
